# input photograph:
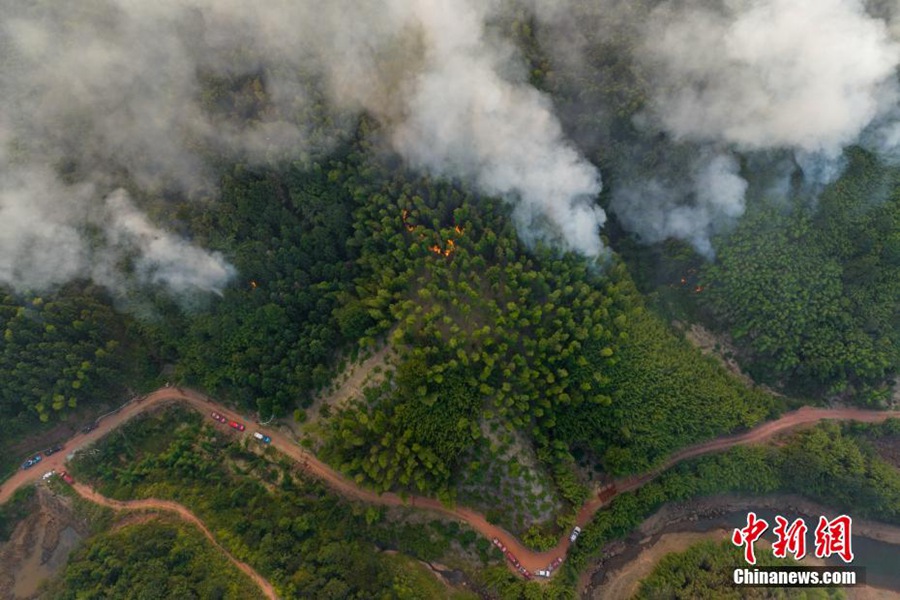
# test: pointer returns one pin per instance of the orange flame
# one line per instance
(404, 214)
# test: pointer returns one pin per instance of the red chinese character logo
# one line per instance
(748, 535)
(833, 537)
(790, 539)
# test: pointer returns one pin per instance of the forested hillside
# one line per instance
(705, 571)
(810, 289)
(303, 539)
(151, 560)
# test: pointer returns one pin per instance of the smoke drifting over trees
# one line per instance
(762, 80)
(112, 94)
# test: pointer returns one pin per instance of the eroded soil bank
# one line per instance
(677, 526)
(40, 545)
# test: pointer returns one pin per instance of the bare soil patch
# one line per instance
(719, 346)
(39, 546)
(347, 385)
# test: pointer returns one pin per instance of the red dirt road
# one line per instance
(157, 505)
(529, 559)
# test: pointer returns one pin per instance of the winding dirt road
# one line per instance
(165, 505)
(529, 559)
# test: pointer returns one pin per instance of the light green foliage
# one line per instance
(491, 332)
(705, 571)
(57, 351)
(306, 541)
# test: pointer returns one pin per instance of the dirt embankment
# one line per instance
(39, 545)
(671, 529)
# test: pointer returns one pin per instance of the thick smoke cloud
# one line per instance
(657, 209)
(809, 76)
(110, 93)
(748, 79)
(804, 74)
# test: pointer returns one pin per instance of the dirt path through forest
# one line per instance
(531, 560)
(165, 505)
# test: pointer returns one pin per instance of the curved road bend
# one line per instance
(165, 505)
(528, 558)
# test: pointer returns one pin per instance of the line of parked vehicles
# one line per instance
(37, 457)
(541, 572)
(240, 427)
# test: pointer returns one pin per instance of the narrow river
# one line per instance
(677, 526)
(880, 559)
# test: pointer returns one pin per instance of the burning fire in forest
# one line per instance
(449, 245)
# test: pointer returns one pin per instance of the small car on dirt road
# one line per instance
(575, 533)
(219, 417)
(262, 437)
(31, 461)
(236, 425)
(53, 450)
(67, 478)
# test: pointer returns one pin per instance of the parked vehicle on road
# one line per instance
(67, 478)
(31, 461)
(89, 427)
(53, 450)
(543, 573)
(262, 437)
(556, 563)
(575, 533)
(236, 425)
(219, 417)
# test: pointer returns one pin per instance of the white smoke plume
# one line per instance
(750, 78)
(105, 93)
(161, 256)
(803, 74)
(657, 209)
(465, 120)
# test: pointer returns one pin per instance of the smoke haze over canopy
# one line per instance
(105, 93)
(110, 90)
(739, 78)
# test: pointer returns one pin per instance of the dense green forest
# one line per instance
(810, 290)
(520, 373)
(704, 571)
(64, 354)
(307, 542)
(158, 559)
(493, 336)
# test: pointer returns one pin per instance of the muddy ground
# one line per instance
(39, 546)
